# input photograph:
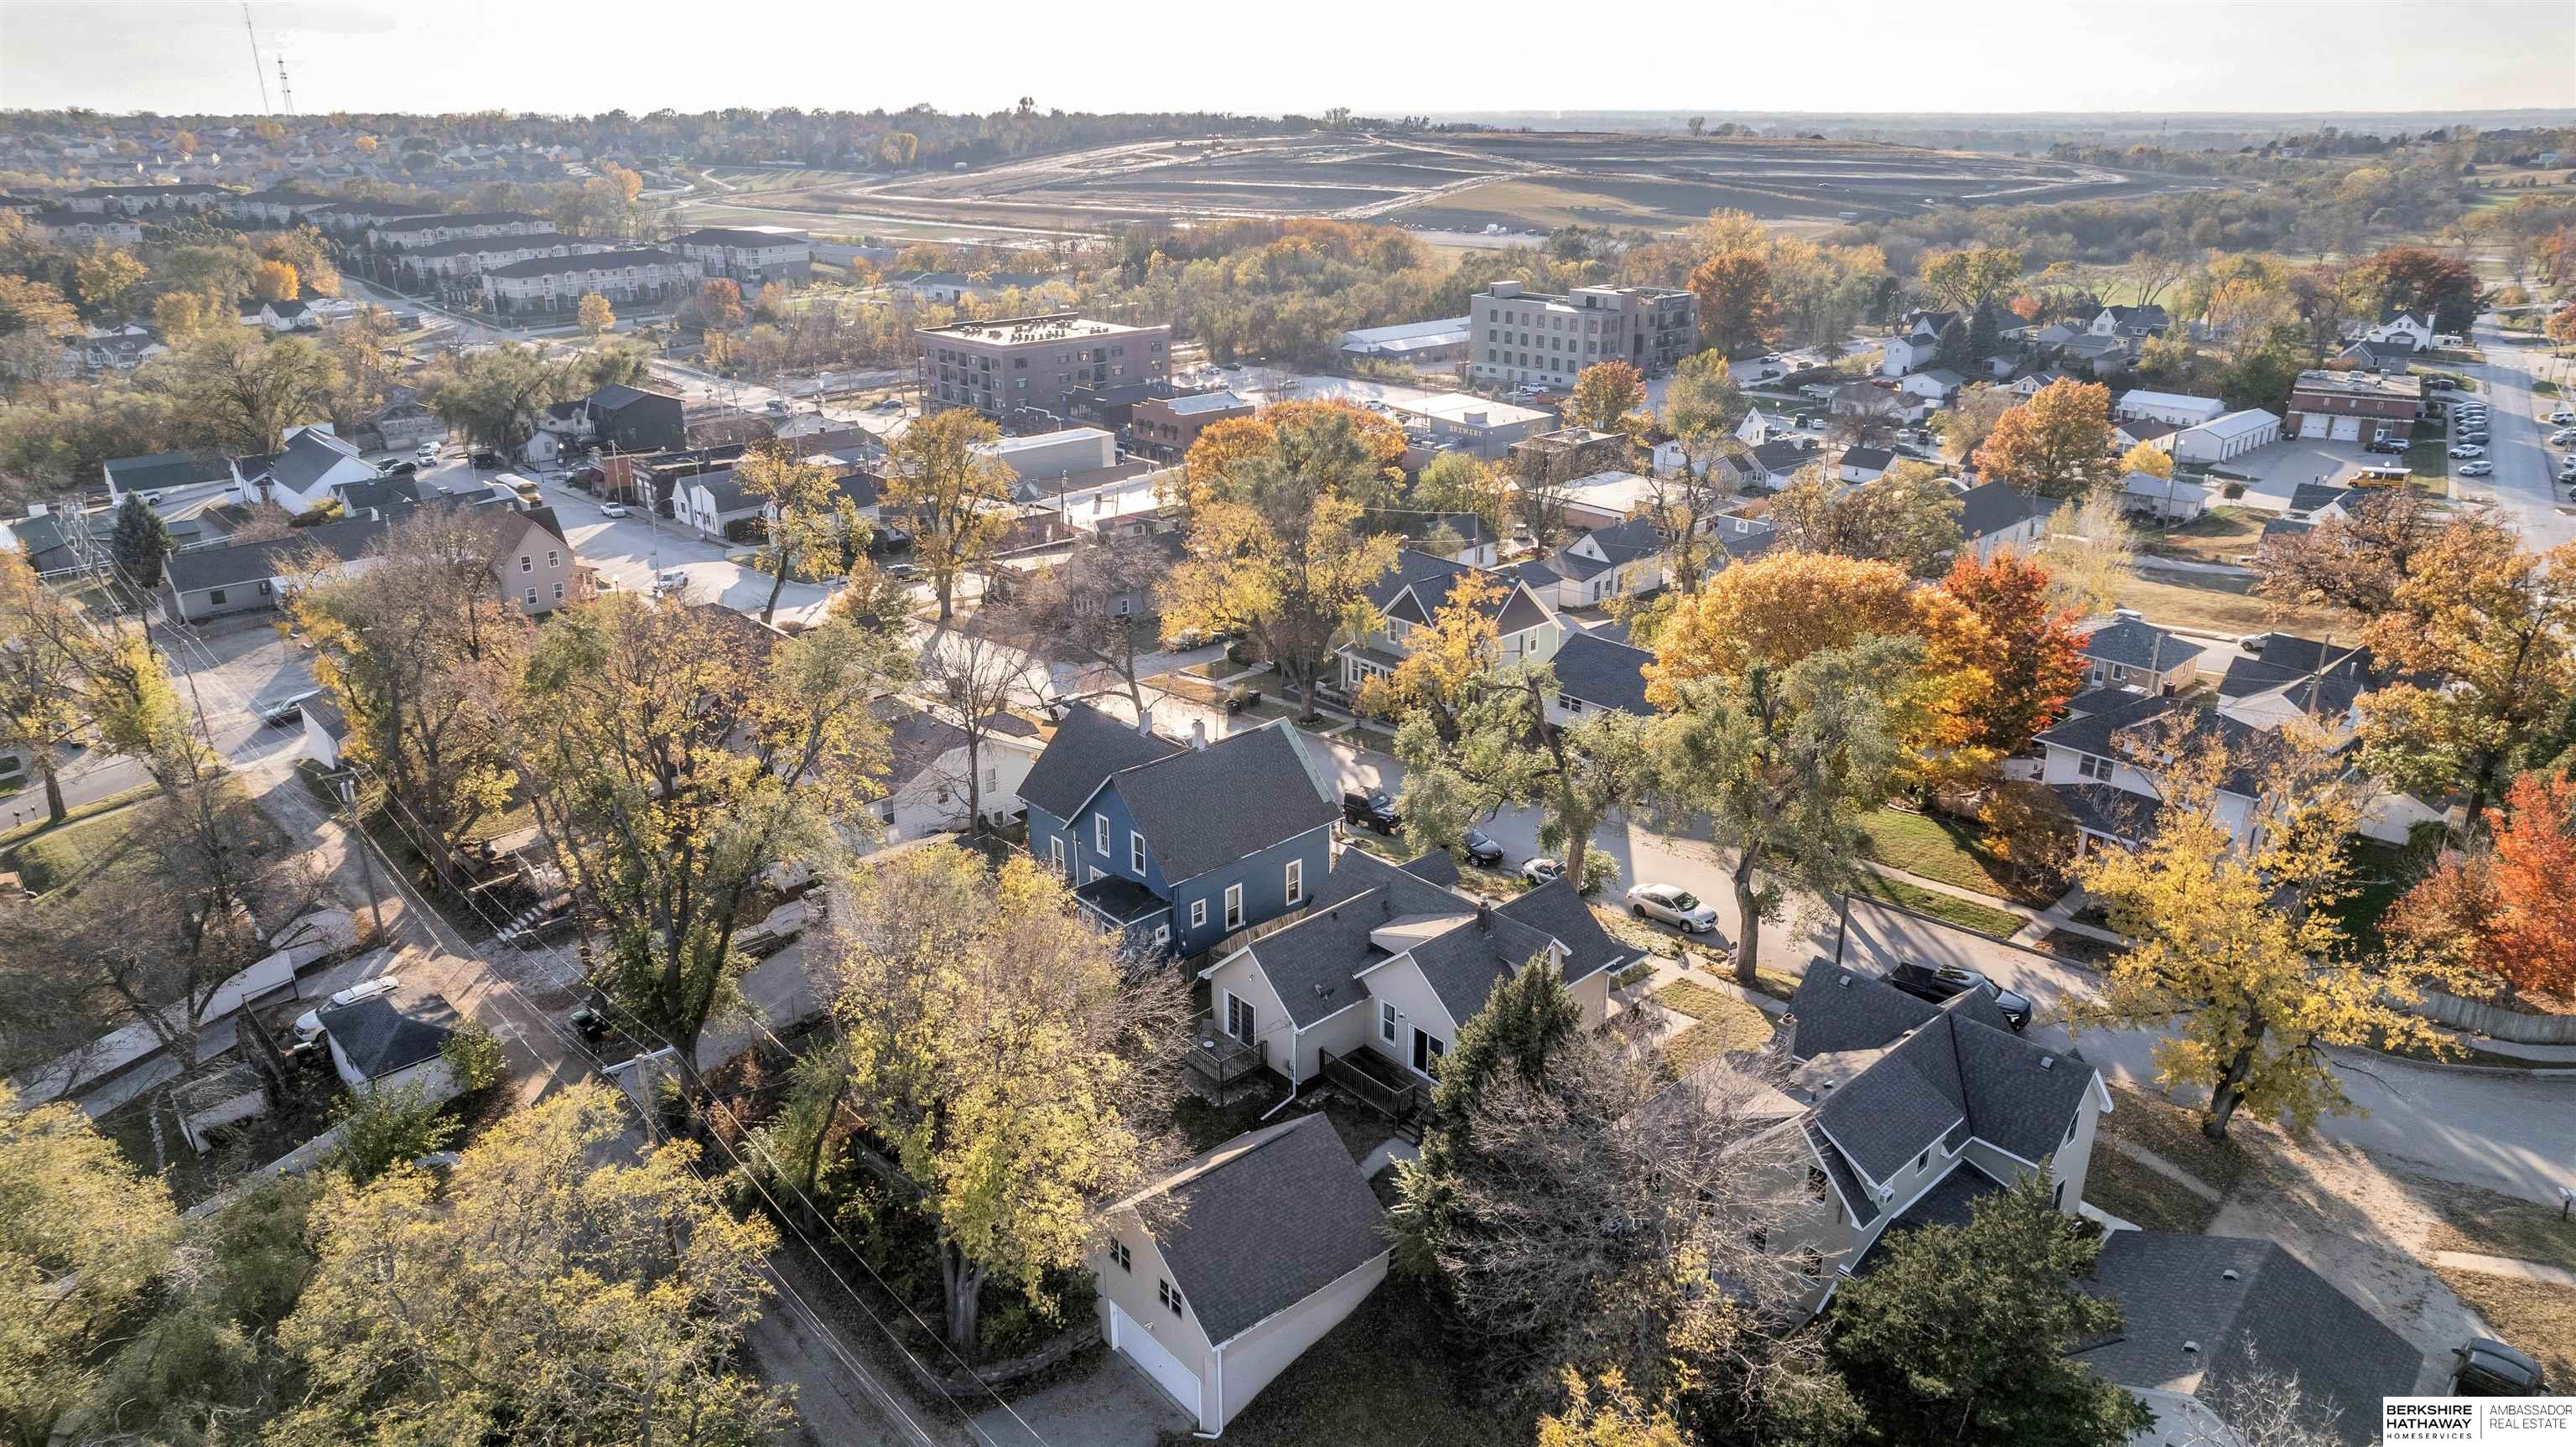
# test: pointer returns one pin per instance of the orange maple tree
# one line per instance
(2504, 906)
(2038, 660)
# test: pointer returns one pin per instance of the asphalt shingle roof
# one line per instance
(379, 1037)
(202, 568)
(2277, 1313)
(155, 471)
(2137, 644)
(1087, 748)
(1267, 1220)
(1994, 506)
(1202, 809)
(1603, 672)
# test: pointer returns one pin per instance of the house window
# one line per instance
(1811, 1263)
(1386, 1021)
(1296, 881)
(1119, 1253)
(1569, 703)
(524, 566)
(2070, 1130)
(2093, 766)
(264, 589)
(1238, 1017)
(1100, 834)
(558, 592)
(215, 598)
(1817, 1184)
(554, 559)
(1162, 934)
(1924, 1159)
(1234, 906)
(1136, 853)
(532, 597)
(1055, 855)
(1198, 914)
(1761, 1240)
(1169, 1295)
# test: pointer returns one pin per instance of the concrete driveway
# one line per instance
(1104, 1400)
(2294, 462)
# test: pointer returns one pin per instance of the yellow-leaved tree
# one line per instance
(947, 483)
(555, 1278)
(1782, 608)
(2237, 954)
(1004, 1060)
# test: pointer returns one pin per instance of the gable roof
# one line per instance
(1266, 1220)
(1991, 507)
(201, 568)
(2136, 643)
(1202, 809)
(1876, 459)
(1603, 672)
(1622, 542)
(2175, 1288)
(2313, 496)
(307, 455)
(617, 394)
(380, 492)
(915, 740)
(1087, 748)
(379, 1037)
(1890, 1074)
(157, 470)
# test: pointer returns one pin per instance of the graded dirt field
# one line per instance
(1466, 182)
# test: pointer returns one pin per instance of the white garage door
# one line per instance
(1158, 1362)
(2313, 424)
(2347, 429)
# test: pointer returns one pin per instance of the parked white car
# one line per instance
(309, 1024)
(612, 509)
(1541, 870)
(2562, 415)
(1673, 905)
(2476, 469)
(2562, 436)
(2469, 450)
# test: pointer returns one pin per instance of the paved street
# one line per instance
(2523, 484)
(2505, 1131)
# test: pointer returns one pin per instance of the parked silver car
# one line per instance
(1673, 905)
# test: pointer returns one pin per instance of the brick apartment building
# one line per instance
(2355, 406)
(1035, 362)
(1534, 339)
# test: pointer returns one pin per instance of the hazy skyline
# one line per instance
(1840, 56)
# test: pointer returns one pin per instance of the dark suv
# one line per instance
(1937, 983)
(2489, 1368)
(1373, 810)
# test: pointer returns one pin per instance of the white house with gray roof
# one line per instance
(1414, 592)
(1624, 560)
(301, 476)
(1369, 988)
(1217, 1278)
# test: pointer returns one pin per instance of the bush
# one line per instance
(474, 1058)
(384, 1128)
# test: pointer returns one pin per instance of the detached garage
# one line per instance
(1216, 1279)
(2222, 438)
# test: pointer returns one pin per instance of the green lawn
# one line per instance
(2144, 1196)
(2381, 873)
(1390, 1372)
(75, 852)
(1949, 908)
(24, 832)
(1948, 850)
(2430, 458)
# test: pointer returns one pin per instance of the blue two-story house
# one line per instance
(1174, 846)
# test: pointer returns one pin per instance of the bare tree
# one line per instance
(1695, 1175)
(2256, 1406)
(968, 679)
(1539, 494)
(2150, 272)
(1093, 609)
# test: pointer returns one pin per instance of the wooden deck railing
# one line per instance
(1220, 1057)
(1371, 1087)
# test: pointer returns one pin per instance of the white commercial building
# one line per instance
(2232, 435)
(2178, 408)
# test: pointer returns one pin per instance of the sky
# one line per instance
(1834, 56)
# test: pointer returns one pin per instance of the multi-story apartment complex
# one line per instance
(462, 260)
(558, 283)
(752, 256)
(402, 233)
(136, 200)
(1534, 339)
(1000, 367)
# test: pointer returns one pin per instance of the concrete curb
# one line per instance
(2462, 1067)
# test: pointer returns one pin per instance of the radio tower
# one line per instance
(285, 88)
(256, 73)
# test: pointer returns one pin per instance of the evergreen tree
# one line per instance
(1529, 1019)
(139, 544)
(1985, 332)
(1961, 1334)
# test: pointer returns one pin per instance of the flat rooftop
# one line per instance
(2361, 384)
(1058, 327)
(1456, 407)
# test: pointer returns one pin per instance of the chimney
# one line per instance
(1145, 722)
(1198, 733)
(1485, 915)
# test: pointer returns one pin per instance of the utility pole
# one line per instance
(347, 780)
